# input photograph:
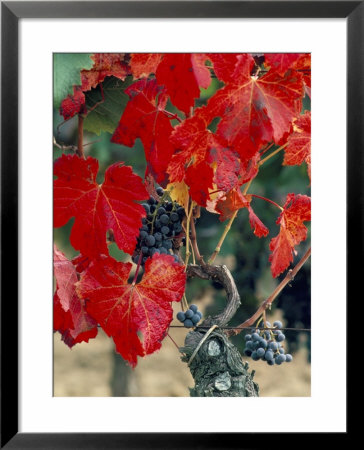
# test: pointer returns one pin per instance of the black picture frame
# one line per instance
(11, 12)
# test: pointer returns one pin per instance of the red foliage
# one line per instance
(255, 110)
(296, 210)
(98, 208)
(183, 74)
(144, 118)
(299, 143)
(69, 314)
(125, 310)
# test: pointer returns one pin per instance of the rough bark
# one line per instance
(215, 364)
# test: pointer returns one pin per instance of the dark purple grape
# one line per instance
(150, 240)
(195, 319)
(167, 244)
(260, 352)
(169, 206)
(164, 219)
(163, 251)
(145, 250)
(277, 324)
(160, 191)
(248, 337)
(161, 211)
(158, 236)
(289, 357)
(188, 323)
(273, 346)
(146, 207)
(268, 355)
(194, 308)
(164, 230)
(174, 217)
(189, 314)
(181, 316)
(143, 234)
(151, 201)
(248, 352)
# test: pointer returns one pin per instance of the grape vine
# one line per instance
(207, 124)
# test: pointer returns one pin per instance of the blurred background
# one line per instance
(94, 369)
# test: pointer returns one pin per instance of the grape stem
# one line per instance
(272, 154)
(194, 243)
(189, 215)
(267, 200)
(137, 269)
(267, 303)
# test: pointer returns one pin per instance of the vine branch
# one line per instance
(289, 277)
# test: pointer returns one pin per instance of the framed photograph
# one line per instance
(193, 97)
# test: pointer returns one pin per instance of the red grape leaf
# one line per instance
(232, 201)
(98, 208)
(183, 74)
(199, 179)
(143, 64)
(225, 66)
(201, 159)
(299, 142)
(137, 316)
(281, 62)
(227, 165)
(235, 200)
(69, 314)
(303, 64)
(296, 210)
(256, 224)
(144, 118)
(73, 104)
(255, 110)
(105, 65)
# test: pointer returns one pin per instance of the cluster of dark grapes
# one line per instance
(267, 345)
(191, 317)
(162, 224)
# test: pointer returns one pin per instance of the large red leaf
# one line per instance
(255, 110)
(98, 208)
(135, 315)
(69, 314)
(299, 143)
(183, 74)
(296, 210)
(144, 117)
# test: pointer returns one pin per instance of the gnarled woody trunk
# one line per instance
(215, 363)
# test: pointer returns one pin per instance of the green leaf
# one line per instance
(67, 68)
(106, 114)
